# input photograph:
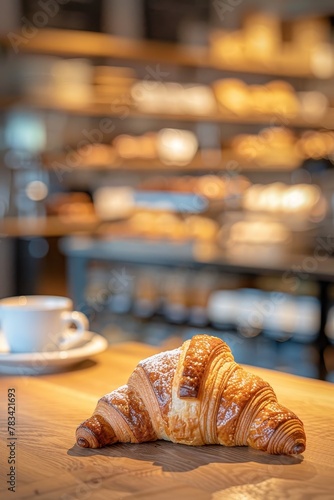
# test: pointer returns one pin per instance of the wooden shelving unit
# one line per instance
(87, 44)
(14, 227)
(98, 45)
(201, 163)
(220, 117)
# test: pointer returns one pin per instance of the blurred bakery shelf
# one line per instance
(290, 356)
(69, 95)
(197, 254)
(20, 227)
(97, 45)
(122, 112)
(205, 162)
(186, 257)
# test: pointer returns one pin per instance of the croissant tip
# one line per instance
(298, 448)
(82, 442)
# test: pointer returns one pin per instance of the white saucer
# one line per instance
(37, 363)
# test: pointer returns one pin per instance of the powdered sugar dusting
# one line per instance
(160, 370)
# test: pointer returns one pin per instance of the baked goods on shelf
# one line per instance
(280, 98)
(260, 232)
(278, 197)
(313, 105)
(175, 146)
(212, 187)
(169, 145)
(70, 205)
(276, 98)
(262, 36)
(194, 395)
(272, 147)
(174, 98)
(261, 42)
(95, 155)
(161, 225)
(166, 225)
(233, 95)
(136, 147)
(281, 147)
(316, 144)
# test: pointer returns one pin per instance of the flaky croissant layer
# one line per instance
(194, 395)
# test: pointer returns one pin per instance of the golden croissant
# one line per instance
(194, 395)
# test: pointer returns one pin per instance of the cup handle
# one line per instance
(73, 338)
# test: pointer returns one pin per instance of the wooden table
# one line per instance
(49, 465)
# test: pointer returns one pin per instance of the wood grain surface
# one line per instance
(51, 466)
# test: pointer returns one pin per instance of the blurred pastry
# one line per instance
(156, 97)
(113, 202)
(262, 35)
(313, 105)
(313, 144)
(96, 155)
(130, 147)
(172, 97)
(233, 95)
(201, 228)
(198, 100)
(157, 225)
(300, 198)
(70, 205)
(176, 146)
(170, 226)
(283, 99)
(211, 186)
(260, 99)
(227, 46)
(277, 137)
(125, 146)
(246, 146)
(237, 185)
(258, 232)
(142, 223)
(272, 146)
(279, 197)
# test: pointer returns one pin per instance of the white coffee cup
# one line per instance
(41, 323)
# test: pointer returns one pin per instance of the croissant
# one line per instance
(194, 395)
